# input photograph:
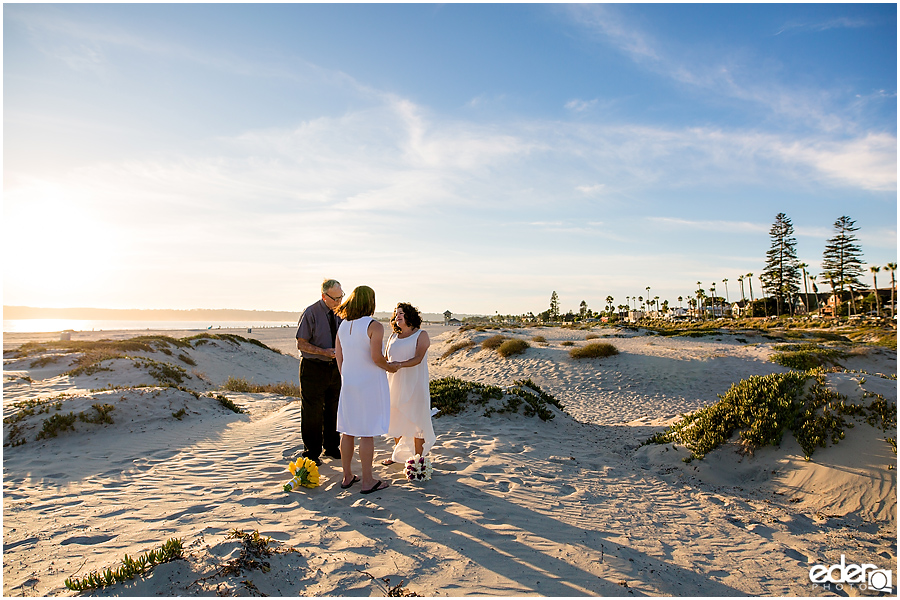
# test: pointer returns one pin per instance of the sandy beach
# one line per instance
(517, 506)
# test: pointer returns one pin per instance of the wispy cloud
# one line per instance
(723, 75)
(816, 26)
(717, 226)
(581, 105)
(591, 190)
(868, 162)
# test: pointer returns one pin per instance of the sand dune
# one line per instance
(517, 506)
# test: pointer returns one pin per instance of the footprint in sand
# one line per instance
(566, 490)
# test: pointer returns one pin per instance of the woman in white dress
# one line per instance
(407, 348)
(364, 406)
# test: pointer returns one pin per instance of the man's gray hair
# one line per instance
(328, 284)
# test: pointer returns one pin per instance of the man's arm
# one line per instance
(305, 346)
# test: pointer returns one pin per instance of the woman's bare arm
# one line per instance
(376, 344)
(338, 353)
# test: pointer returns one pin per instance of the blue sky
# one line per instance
(474, 158)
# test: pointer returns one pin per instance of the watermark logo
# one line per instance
(862, 577)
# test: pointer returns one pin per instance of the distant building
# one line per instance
(740, 309)
(832, 305)
(677, 313)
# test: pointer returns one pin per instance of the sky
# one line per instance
(472, 158)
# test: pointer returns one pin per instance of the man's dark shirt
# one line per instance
(315, 329)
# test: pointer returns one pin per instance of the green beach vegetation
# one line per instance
(452, 395)
(129, 569)
(594, 350)
(761, 409)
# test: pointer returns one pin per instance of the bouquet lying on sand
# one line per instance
(305, 473)
(418, 468)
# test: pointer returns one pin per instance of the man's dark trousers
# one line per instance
(320, 390)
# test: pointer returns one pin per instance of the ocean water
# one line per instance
(57, 325)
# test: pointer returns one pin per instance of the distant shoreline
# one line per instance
(208, 315)
(14, 313)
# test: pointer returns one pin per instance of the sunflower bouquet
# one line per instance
(305, 473)
(418, 468)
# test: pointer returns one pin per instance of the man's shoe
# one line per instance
(315, 459)
(335, 454)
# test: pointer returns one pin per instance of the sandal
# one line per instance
(387, 462)
(379, 485)
(344, 486)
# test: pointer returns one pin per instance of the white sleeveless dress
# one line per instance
(365, 404)
(410, 399)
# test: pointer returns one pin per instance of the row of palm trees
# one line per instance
(632, 302)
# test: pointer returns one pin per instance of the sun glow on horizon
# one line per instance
(66, 248)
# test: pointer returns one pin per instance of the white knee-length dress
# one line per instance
(364, 408)
(410, 399)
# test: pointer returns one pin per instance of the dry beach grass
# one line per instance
(572, 505)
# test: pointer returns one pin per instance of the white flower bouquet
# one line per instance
(418, 468)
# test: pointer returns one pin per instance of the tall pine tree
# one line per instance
(842, 259)
(782, 272)
(554, 307)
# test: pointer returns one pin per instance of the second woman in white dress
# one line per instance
(364, 406)
(410, 423)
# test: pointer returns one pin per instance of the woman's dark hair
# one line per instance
(360, 303)
(410, 314)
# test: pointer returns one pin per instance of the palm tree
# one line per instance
(699, 303)
(609, 303)
(700, 295)
(679, 301)
(741, 281)
(891, 266)
(802, 266)
(656, 299)
(725, 281)
(834, 294)
(764, 287)
(812, 279)
(628, 301)
(875, 270)
(750, 283)
(712, 298)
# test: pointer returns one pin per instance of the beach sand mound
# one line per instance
(569, 506)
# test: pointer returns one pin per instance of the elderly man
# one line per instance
(320, 380)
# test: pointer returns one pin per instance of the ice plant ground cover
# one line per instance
(762, 408)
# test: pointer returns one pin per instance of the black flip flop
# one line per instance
(352, 481)
(379, 485)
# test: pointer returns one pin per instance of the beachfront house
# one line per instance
(740, 309)
(677, 314)
(713, 312)
(835, 303)
(809, 304)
